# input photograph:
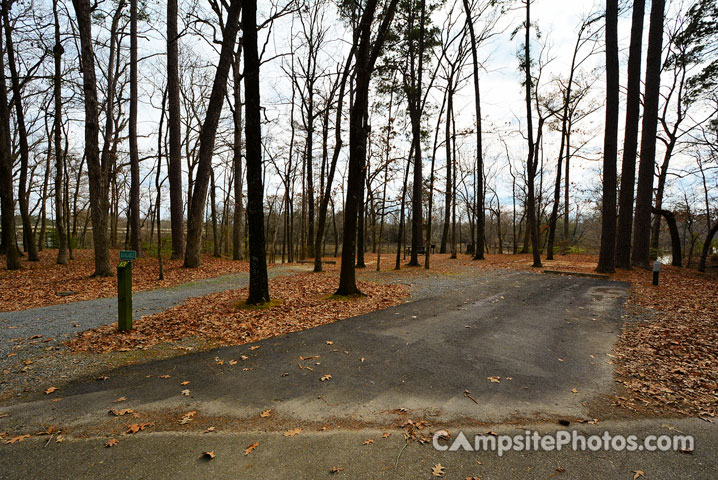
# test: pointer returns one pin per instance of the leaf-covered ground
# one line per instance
(300, 301)
(666, 357)
(43, 283)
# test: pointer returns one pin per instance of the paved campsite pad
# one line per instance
(544, 341)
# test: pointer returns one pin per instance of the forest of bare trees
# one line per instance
(304, 129)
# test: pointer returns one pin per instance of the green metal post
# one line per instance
(124, 296)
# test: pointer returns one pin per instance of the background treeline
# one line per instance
(293, 130)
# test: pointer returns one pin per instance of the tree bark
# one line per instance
(207, 137)
(606, 258)
(59, 156)
(27, 233)
(6, 188)
(531, 162)
(366, 55)
(640, 256)
(134, 217)
(480, 218)
(98, 173)
(630, 142)
(258, 278)
(175, 132)
(326, 195)
(237, 161)
(415, 114)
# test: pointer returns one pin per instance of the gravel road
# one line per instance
(60, 322)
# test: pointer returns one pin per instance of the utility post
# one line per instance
(124, 290)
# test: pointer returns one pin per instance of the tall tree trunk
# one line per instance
(564, 124)
(531, 163)
(27, 233)
(630, 141)
(207, 137)
(480, 218)
(360, 223)
(158, 187)
(237, 160)
(134, 217)
(415, 114)
(258, 278)
(98, 172)
(449, 170)
(429, 218)
(59, 156)
(402, 211)
(640, 256)
(606, 258)
(213, 208)
(6, 188)
(175, 133)
(327, 193)
(366, 55)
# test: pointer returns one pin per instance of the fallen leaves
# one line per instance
(120, 399)
(438, 470)
(29, 287)
(336, 469)
(185, 393)
(326, 377)
(666, 358)
(368, 442)
(50, 390)
(122, 412)
(208, 455)
(186, 382)
(494, 379)
(111, 443)
(638, 473)
(251, 448)
(17, 439)
(187, 417)
(215, 318)
(293, 432)
(137, 427)
(266, 413)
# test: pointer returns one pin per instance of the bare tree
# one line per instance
(258, 278)
(6, 188)
(640, 256)
(208, 135)
(630, 141)
(606, 259)
(365, 55)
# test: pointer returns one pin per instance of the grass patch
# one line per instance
(243, 305)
